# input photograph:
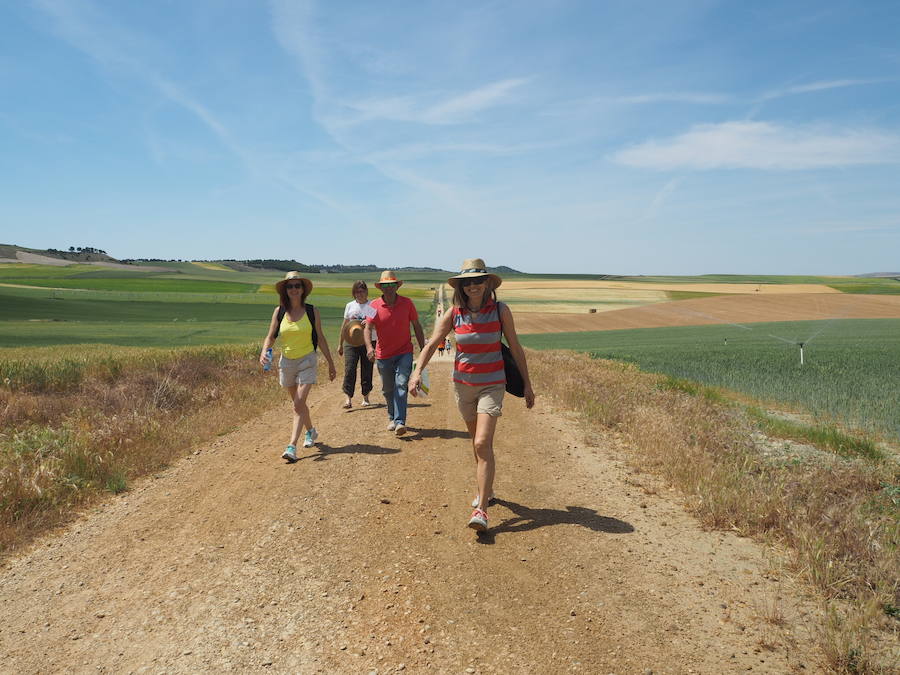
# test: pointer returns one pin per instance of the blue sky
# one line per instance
(623, 137)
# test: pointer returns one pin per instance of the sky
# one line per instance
(594, 136)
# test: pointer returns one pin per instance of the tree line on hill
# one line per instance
(80, 254)
(91, 254)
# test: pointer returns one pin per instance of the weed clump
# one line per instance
(77, 427)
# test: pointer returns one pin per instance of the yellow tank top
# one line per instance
(296, 336)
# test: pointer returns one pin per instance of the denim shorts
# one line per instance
(294, 372)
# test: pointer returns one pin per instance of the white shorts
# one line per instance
(294, 372)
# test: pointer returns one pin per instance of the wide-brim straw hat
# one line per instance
(474, 267)
(295, 276)
(389, 277)
(354, 335)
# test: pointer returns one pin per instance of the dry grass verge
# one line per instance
(74, 428)
(839, 519)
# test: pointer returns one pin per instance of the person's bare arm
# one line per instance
(367, 338)
(342, 336)
(323, 345)
(441, 327)
(420, 334)
(270, 337)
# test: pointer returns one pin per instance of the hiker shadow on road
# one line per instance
(379, 406)
(421, 434)
(526, 519)
(324, 451)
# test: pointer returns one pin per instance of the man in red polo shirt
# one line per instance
(393, 352)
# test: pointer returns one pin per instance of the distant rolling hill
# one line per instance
(15, 253)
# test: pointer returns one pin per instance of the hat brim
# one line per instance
(453, 281)
(353, 334)
(307, 284)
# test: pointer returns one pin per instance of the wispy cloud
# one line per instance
(416, 151)
(456, 109)
(355, 124)
(851, 227)
(699, 98)
(118, 49)
(462, 106)
(760, 145)
(818, 86)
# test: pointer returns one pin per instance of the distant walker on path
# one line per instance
(394, 314)
(300, 328)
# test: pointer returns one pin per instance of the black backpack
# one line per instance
(310, 314)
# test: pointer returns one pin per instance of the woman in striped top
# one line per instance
(478, 320)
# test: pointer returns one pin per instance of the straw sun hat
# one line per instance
(354, 334)
(295, 276)
(388, 277)
(474, 267)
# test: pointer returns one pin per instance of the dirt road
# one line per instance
(357, 559)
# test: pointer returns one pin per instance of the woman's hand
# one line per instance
(262, 358)
(529, 396)
(341, 349)
(413, 384)
(370, 353)
(332, 371)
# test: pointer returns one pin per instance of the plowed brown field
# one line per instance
(517, 286)
(720, 309)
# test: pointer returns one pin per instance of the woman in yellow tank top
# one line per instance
(298, 365)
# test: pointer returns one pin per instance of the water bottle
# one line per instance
(268, 364)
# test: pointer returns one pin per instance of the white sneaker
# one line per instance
(491, 501)
(400, 429)
(391, 425)
(311, 436)
(479, 520)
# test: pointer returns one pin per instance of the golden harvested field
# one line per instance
(577, 296)
(212, 266)
(719, 309)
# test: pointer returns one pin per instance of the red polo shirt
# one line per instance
(392, 324)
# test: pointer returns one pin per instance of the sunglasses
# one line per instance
(389, 284)
(477, 281)
(290, 286)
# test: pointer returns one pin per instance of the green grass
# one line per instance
(822, 436)
(128, 313)
(851, 372)
(138, 285)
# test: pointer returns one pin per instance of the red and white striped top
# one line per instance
(478, 358)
